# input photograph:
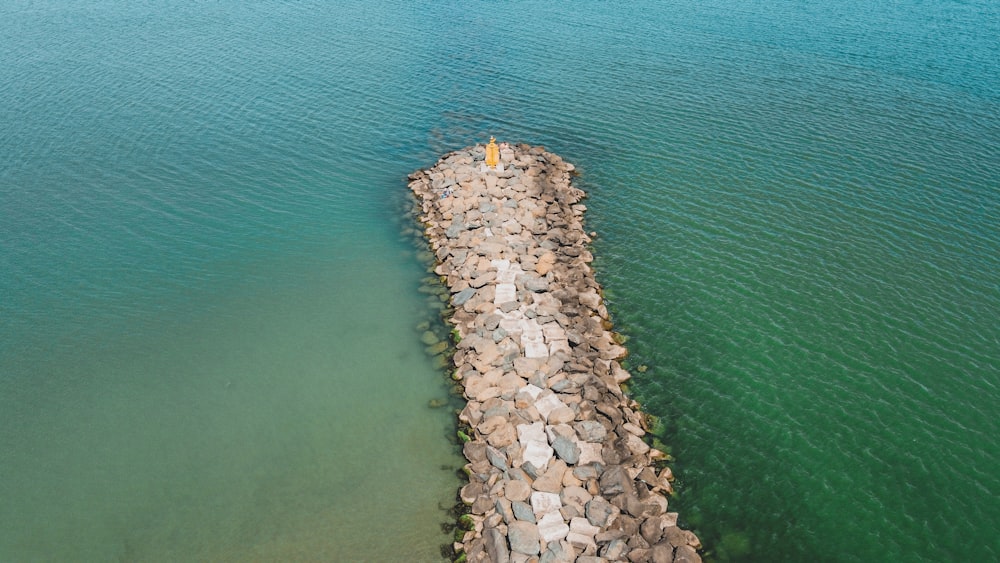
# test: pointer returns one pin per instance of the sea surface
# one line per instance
(211, 318)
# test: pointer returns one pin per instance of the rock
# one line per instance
(551, 481)
(504, 436)
(599, 512)
(614, 550)
(429, 338)
(543, 503)
(496, 458)
(503, 508)
(615, 481)
(461, 297)
(537, 285)
(686, 554)
(661, 554)
(474, 451)
(575, 496)
(590, 431)
(561, 415)
(496, 545)
(566, 450)
(675, 536)
(652, 530)
(555, 553)
(522, 511)
(524, 538)
(551, 527)
(517, 490)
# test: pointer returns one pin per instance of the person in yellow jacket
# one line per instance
(492, 153)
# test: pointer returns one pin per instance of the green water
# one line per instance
(207, 315)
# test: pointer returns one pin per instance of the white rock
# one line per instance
(536, 350)
(547, 404)
(545, 503)
(532, 390)
(508, 275)
(505, 292)
(581, 541)
(551, 527)
(538, 452)
(534, 432)
(583, 526)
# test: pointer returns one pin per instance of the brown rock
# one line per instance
(517, 490)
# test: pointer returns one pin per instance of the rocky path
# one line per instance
(558, 468)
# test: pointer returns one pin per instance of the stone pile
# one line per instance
(558, 468)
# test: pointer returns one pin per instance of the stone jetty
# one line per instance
(557, 465)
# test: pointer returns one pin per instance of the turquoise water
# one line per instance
(207, 344)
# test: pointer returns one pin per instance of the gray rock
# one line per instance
(524, 537)
(492, 321)
(590, 431)
(461, 297)
(497, 459)
(504, 509)
(585, 472)
(496, 545)
(537, 285)
(614, 550)
(554, 554)
(599, 511)
(454, 230)
(615, 481)
(522, 511)
(531, 470)
(566, 450)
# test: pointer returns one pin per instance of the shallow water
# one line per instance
(207, 315)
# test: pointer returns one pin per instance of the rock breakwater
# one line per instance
(558, 468)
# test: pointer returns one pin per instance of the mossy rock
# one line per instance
(466, 522)
(424, 325)
(656, 425)
(463, 437)
(436, 348)
(429, 338)
(437, 403)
